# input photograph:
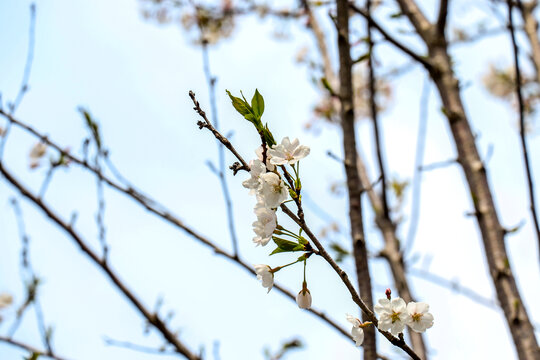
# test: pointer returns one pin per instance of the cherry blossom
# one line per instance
(420, 318)
(265, 274)
(357, 332)
(288, 152)
(265, 225)
(393, 315)
(273, 191)
(254, 182)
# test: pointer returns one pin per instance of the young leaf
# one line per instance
(257, 104)
(240, 105)
(286, 246)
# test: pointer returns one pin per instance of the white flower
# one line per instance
(357, 332)
(288, 152)
(393, 315)
(303, 299)
(420, 318)
(264, 274)
(259, 153)
(265, 225)
(273, 191)
(37, 152)
(254, 182)
(5, 300)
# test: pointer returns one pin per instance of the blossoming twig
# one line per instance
(206, 124)
(162, 212)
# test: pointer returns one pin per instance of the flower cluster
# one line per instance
(267, 184)
(395, 314)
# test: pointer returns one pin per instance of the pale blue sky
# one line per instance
(134, 77)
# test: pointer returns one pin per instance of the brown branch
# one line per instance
(30, 348)
(521, 111)
(442, 17)
(419, 58)
(491, 229)
(160, 211)
(353, 181)
(530, 25)
(300, 221)
(152, 318)
(392, 253)
(206, 124)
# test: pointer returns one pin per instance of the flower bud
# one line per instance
(303, 299)
(388, 293)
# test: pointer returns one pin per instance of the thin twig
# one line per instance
(159, 210)
(152, 318)
(29, 60)
(137, 347)
(419, 58)
(206, 124)
(373, 110)
(522, 135)
(417, 175)
(211, 81)
(29, 348)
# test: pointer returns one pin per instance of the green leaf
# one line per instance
(257, 104)
(302, 258)
(396, 15)
(240, 105)
(302, 240)
(34, 356)
(286, 246)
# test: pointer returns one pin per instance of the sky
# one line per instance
(134, 76)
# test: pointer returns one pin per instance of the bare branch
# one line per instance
(206, 124)
(29, 348)
(353, 181)
(152, 318)
(166, 215)
(442, 17)
(419, 58)
(211, 81)
(419, 158)
(522, 135)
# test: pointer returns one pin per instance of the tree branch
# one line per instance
(353, 181)
(419, 58)
(521, 111)
(160, 211)
(152, 318)
(30, 348)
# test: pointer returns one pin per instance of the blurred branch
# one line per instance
(442, 17)
(26, 77)
(152, 318)
(136, 347)
(455, 286)
(29, 60)
(31, 283)
(419, 158)
(354, 186)
(524, 149)
(493, 233)
(30, 348)
(419, 58)
(159, 210)
(211, 81)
